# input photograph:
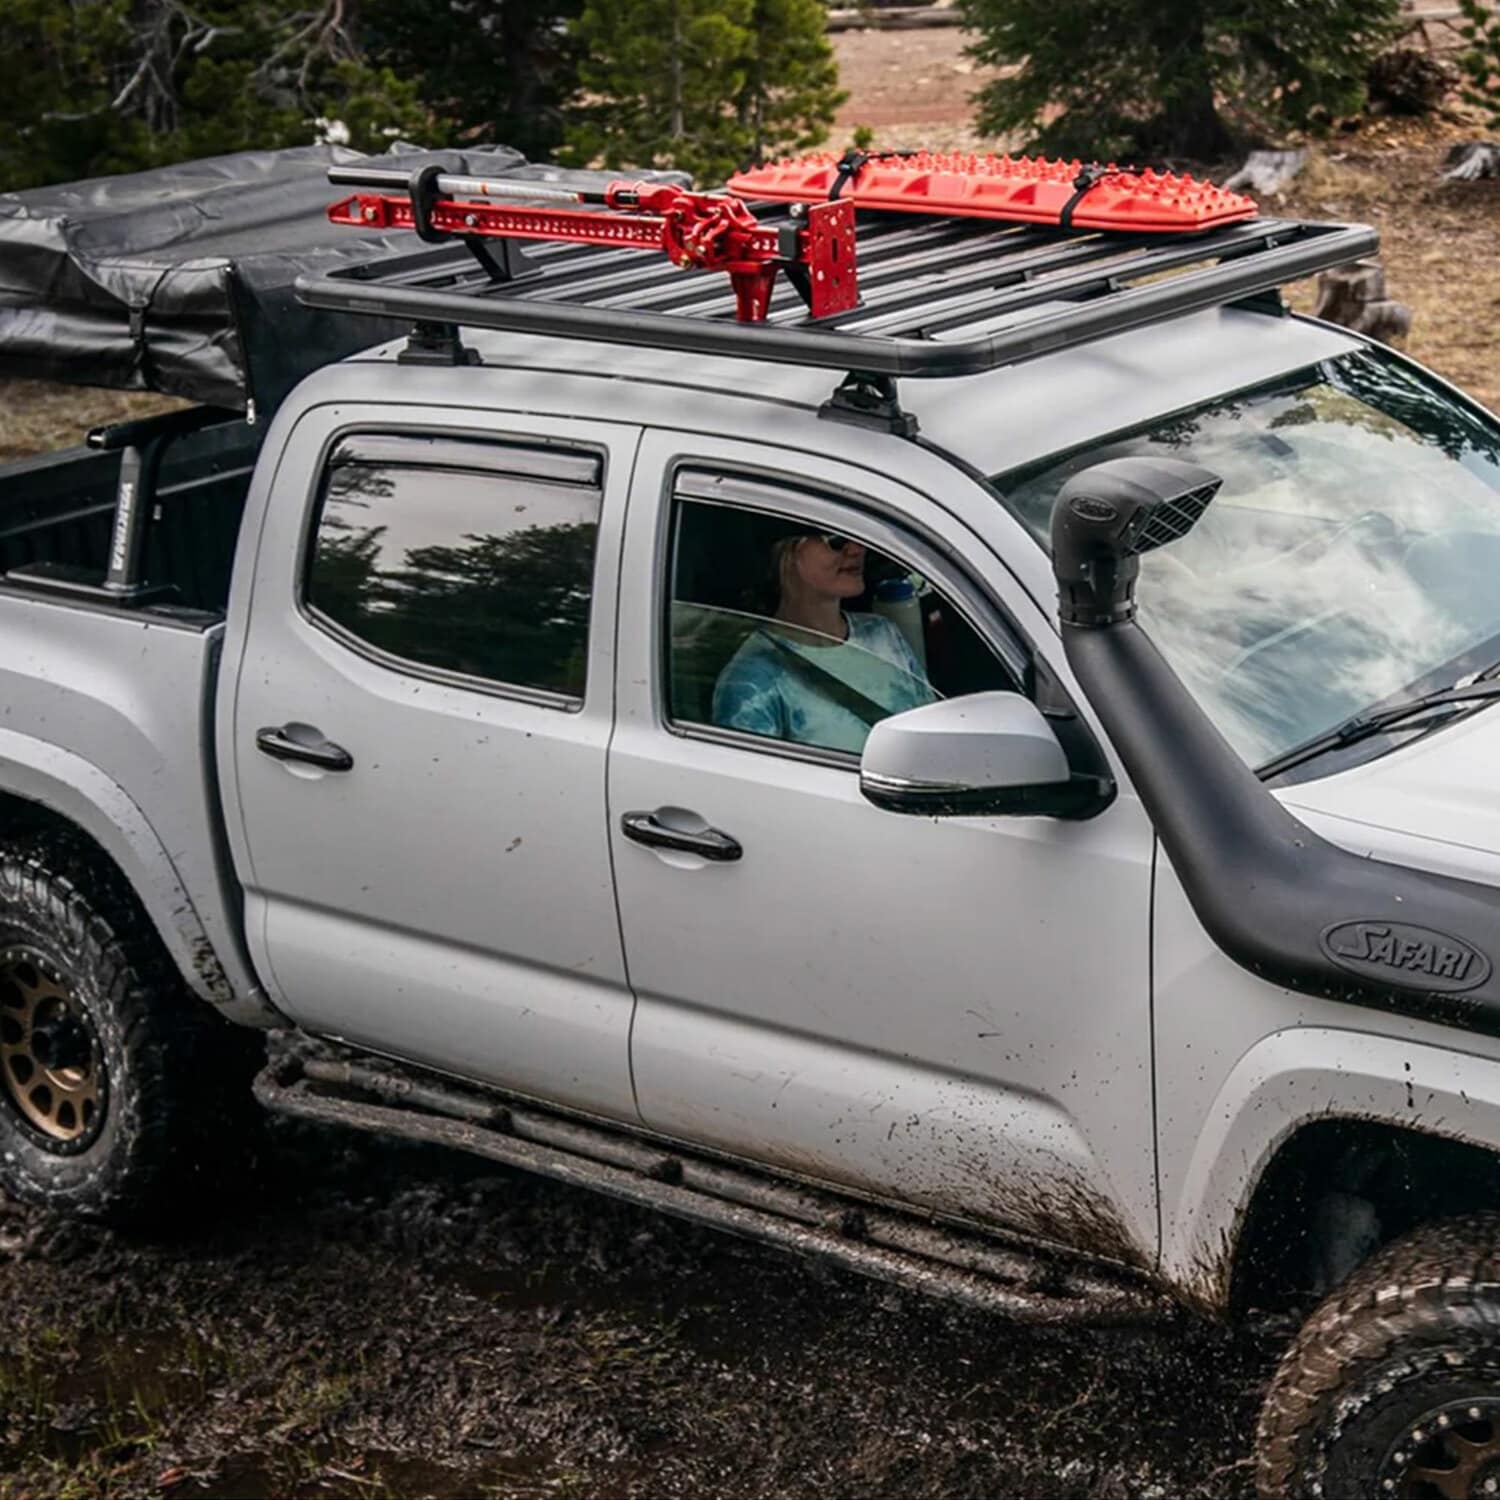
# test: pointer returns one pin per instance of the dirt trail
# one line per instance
(374, 1320)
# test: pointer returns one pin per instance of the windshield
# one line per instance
(1352, 556)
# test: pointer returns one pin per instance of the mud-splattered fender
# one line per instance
(1290, 1079)
(73, 788)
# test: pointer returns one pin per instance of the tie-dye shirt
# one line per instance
(760, 692)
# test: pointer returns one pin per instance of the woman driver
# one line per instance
(816, 673)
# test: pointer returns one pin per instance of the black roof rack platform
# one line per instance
(940, 296)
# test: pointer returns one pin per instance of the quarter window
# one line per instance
(461, 558)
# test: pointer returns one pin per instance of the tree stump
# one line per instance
(1354, 297)
(1267, 172)
(1469, 160)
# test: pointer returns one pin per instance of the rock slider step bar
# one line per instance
(900, 1249)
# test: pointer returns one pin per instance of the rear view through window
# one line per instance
(1350, 558)
(452, 557)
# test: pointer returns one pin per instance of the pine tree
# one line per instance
(55, 115)
(1182, 78)
(1481, 59)
(705, 86)
(791, 90)
(117, 85)
(493, 70)
(661, 75)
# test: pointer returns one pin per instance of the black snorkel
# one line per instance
(1281, 902)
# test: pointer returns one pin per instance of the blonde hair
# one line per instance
(778, 557)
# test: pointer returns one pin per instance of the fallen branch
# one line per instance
(894, 18)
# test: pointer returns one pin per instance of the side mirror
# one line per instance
(984, 755)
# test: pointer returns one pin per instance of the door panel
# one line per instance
(448, 897)
(949, 1012)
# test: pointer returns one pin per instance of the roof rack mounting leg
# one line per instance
(1270, 301)
(436, 344)
(869, 401)
(502, 260)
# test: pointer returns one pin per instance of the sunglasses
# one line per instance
(833, 540)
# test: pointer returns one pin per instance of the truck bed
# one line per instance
(107, 706)
(59, 508)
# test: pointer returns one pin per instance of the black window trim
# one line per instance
(506, 454)
(705, 480)
(562, 466)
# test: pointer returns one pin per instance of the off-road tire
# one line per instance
(177, 1076)
(1408, 1340)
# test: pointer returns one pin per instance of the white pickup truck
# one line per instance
(1032, 836)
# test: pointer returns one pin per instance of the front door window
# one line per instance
(783, 629)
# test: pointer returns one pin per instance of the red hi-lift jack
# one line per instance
(696, 231)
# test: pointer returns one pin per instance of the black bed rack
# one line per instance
(939, 296)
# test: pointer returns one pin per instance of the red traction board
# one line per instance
(1023, 189)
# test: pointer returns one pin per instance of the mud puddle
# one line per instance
(373, 1320)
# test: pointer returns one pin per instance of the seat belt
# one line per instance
(866, 710)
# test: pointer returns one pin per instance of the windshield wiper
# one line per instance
(1467, 691)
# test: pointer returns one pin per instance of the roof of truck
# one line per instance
(996, 420)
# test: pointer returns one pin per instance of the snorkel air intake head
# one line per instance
(1106, 517)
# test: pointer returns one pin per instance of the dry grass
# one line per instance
(1438, 240)
(37, 416)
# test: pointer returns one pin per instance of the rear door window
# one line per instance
(459, 559)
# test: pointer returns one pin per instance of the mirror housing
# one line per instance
(983, 755)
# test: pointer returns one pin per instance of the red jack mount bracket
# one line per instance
(696, 231)
(1023, 189)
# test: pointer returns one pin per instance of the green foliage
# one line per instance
(1481, 62)
(705, 86)
(492, 70)
(791, 87)
(118, 85)
(54, 112)
(1193, 78)
(660, 73)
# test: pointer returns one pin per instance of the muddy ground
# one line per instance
(376, 1320)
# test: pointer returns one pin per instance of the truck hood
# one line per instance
(1433, 805)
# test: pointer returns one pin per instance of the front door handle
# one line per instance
(644, 828)
(304, 743)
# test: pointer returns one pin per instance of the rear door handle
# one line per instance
(643, 828)
(302, 742)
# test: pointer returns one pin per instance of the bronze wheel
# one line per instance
(1393, 1385)
(118, 1089)
(51, 1065)
(1449, 1453)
